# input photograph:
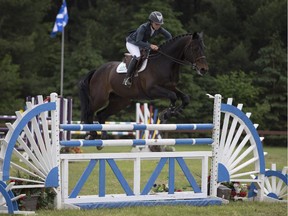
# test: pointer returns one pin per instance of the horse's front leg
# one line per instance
(184, 98)
(160, 92)
(174, 110)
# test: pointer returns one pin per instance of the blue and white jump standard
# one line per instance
(51, 169)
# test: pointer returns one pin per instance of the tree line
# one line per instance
(246, 48)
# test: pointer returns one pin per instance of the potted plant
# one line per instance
(36, 198)
(238, 190)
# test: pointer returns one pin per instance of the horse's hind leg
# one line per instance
(87, 117)
(91, 135)
(115, 105)
(97, 104)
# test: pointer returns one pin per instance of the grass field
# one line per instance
(275, 155)
(231, 209)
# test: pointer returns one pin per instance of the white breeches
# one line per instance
(133, 49)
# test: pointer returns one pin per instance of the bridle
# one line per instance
(185, 61)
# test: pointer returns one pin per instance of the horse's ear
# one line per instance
(201, 34)
(195, 35)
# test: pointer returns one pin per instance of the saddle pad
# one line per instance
(121, 68)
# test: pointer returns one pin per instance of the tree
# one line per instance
(82, 59)
(273, 82)
(237, 85)
(237, 35)
(269, 18)
(10, 84)
(25, 38)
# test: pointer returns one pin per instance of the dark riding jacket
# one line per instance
(140, 36)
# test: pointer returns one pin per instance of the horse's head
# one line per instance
(195, 53)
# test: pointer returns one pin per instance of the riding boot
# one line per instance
(130, 71)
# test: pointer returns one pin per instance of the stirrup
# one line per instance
(127, 82)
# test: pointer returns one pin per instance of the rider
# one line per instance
(138, 39)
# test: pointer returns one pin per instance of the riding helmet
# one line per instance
(156, 17)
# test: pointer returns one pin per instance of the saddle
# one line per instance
(141, 64)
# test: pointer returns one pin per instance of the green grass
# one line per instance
(276, 155)
(231, 209)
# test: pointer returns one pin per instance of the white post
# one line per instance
(137, 177)
(139, 117)
(64, 179)
(147, 116)
(260, 194)
(215, 145)
(146, 119)
(142, 117)
(56, 145)
(205, 171)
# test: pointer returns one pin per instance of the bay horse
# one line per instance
(102, 91)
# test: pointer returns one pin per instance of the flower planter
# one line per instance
(30, 203)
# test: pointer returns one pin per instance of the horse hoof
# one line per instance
(155, 148)
(162, 118)
(90, 137)
(165, 115)
(99, 148)
(176, 113)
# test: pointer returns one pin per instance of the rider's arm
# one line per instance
(139, 38)
(165, 33)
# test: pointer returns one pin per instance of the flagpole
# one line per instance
(59, 26)
(62, 63)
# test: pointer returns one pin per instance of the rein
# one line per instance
(183, 62)
(178, 61)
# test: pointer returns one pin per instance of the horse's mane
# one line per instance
(174, 38)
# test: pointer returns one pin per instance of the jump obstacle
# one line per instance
(234, 149)
(65, 117)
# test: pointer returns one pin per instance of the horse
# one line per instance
(101, 91)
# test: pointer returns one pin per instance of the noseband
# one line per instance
(199, 58)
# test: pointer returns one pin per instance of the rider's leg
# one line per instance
(131, 68)
(135, 52)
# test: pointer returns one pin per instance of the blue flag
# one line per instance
(61, 20)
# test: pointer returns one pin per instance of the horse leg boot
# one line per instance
(128, 79)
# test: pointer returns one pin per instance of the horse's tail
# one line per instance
(85, 97)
